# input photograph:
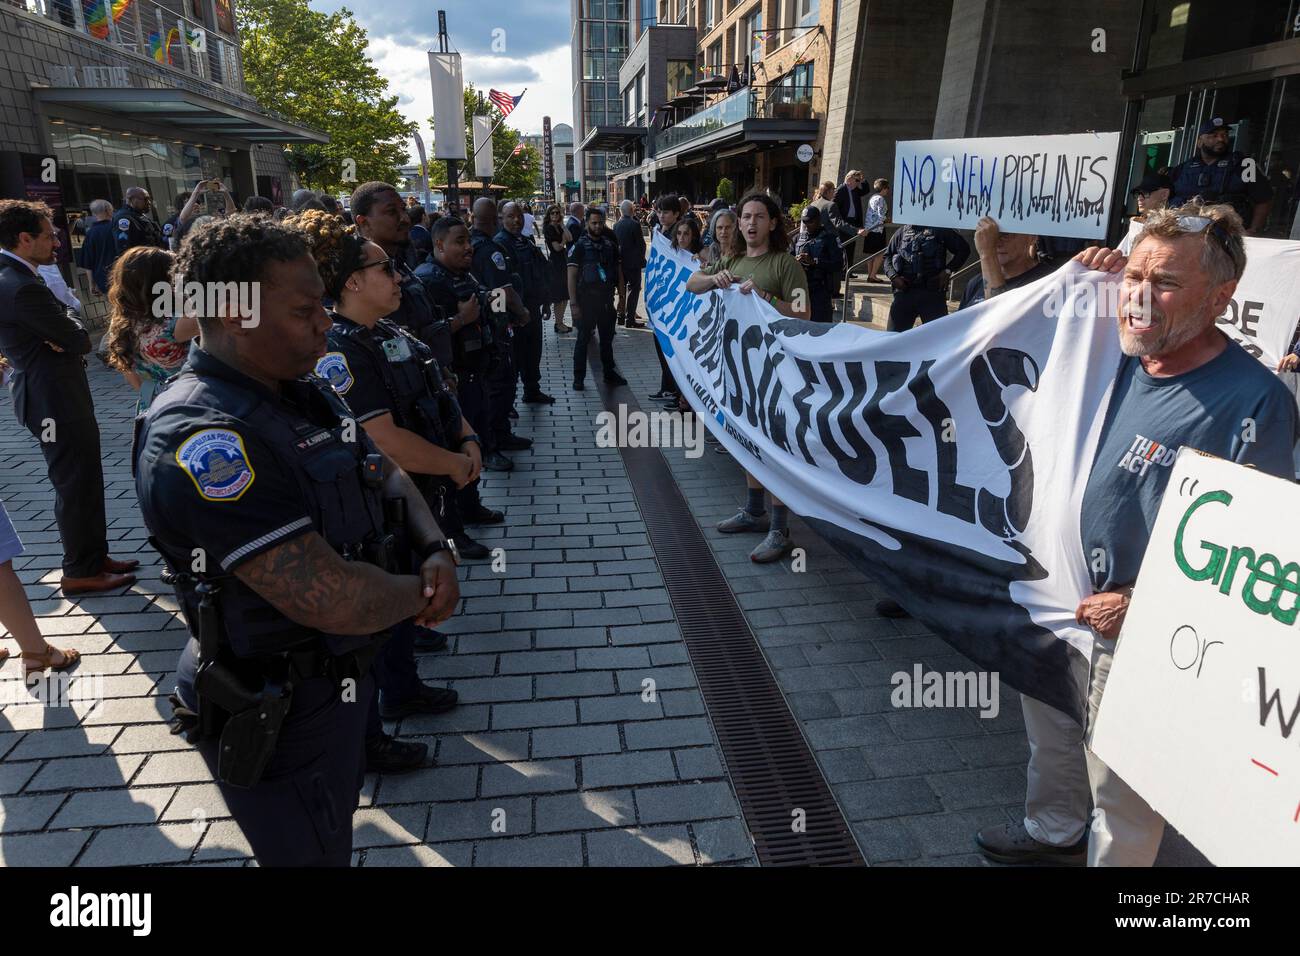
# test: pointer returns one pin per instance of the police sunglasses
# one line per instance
(389, 266)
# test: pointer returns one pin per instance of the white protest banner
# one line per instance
(1044, 185)
(949, 461)
(1265, 309)
(1201, 713)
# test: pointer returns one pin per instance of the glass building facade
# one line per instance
(600, 44)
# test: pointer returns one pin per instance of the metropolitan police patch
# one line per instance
(333, 367)
(499, 261)
(124, 224)
(216, 462)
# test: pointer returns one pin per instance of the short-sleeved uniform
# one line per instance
(227, 469)
(419, 315)
(471, 346)
(530, 268)
(824, 273)
(493, 268)
(1221, 181)
(597, 262)
(131, 229)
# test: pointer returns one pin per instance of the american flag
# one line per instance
(504, 101)
(519, 148)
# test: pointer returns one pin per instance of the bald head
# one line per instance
(483, 214)
(512, 218)
(138, 198)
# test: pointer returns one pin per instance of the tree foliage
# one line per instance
(522, 175)
(313, 68)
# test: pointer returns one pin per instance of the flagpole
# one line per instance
(487, 140)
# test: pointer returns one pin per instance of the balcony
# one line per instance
(781, 102)
(152, 30)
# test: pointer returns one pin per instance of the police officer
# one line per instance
(272, 517)
(133, 226)
(595, 272)
(455, 291)
(822, 260)
(506, 312)
(917, 262)
(1217, 174)
(530, 268)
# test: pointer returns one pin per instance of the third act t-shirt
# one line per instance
(1231, 407)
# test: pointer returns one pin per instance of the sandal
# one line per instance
(45, 659)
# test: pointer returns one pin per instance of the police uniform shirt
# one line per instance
(209, 481)
(131, 229)
(827, 258)
(418, 314)
(1220, 181)
(490, 265)
(597, 261)
(525, 263)
(447, 291)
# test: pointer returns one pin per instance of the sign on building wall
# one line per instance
(1045, 185)
(1201, 705)
(548, 161)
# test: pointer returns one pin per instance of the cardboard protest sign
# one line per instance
(1265, 309)
(1045, 185)
(1201, 713)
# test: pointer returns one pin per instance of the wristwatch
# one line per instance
(442, 544)
(473, 438)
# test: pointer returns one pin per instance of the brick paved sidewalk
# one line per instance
(557, 754)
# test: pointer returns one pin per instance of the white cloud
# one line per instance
(406, 67)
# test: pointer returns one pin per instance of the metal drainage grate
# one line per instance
(770, 764)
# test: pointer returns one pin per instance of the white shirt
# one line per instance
(852, 210)
(529, 229)
(54, 279)
(877, 210)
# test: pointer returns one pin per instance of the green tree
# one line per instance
(522, 175)
(312, 67)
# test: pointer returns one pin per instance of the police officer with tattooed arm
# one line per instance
(271, 513)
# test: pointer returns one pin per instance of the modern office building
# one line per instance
(142, 92)
(566, 183)
(599, 44)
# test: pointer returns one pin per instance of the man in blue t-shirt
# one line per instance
(1181, 382)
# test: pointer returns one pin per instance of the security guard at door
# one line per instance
(506, 311)
(131, 227)
(595, 272)
(272, 518)
(916, 261)
(1218, 175)
(529, 268)
(822, 261)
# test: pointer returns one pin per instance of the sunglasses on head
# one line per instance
(389, 267)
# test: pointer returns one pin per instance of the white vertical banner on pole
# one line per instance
(483, 165)
(448, 106)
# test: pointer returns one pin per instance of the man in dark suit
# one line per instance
(849, 202)
(44, 344)
(631, 249)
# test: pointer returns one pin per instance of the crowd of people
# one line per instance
(336, 506)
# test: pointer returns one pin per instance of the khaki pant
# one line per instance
(1063, 772)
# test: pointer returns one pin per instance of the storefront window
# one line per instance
(1187, 29)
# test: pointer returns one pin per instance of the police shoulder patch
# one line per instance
(499, 261)
(124, 224)
(217, 463)
(167, 229)
(334, 368)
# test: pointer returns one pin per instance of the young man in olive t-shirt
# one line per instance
(770, 272)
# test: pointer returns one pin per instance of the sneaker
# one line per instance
(515, 443)
(775, 546)
(613, 378)
(484, 515)
(891, 608)
(742, 520)
(427, 640)
(429, 700)
(385, 754)
(469, 549)
(1011, 843)
(495, 461)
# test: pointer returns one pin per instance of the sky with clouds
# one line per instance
(532, 51)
